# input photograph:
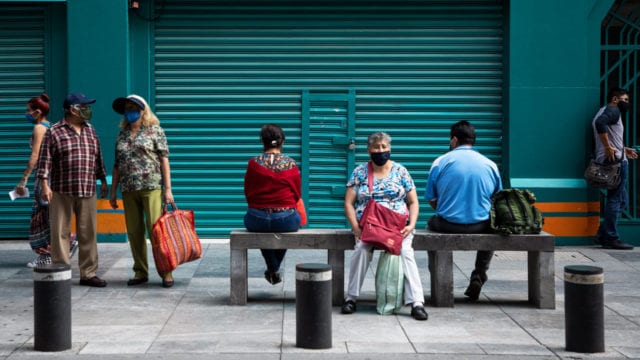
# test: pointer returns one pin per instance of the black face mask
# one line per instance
(623, 106)
(380, 158)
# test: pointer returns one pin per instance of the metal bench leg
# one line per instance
(336, 260)
(239, 277)
(441, 270)
(542, 290)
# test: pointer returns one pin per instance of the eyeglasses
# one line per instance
(80, 106)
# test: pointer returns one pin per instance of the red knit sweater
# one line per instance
(264, 188)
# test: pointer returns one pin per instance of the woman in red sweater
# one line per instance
(272, 186)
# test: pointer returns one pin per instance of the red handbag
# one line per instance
(302, 212)
(174, 240)
(381, 226)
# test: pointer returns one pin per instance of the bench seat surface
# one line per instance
(439, 246)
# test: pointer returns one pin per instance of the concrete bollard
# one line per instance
(52, 307)
(313, 306)
(584, 308)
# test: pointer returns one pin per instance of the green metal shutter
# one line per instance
(223, 69)
(22, 76)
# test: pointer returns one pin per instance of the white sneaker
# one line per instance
(40, 260)
(73, 247)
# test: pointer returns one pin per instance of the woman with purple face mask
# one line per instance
(142, 170)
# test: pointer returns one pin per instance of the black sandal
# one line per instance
(137, 281)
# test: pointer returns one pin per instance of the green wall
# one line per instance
(551, 86)
(98, 61)
(553, 93)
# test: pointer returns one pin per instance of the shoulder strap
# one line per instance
(370, 176)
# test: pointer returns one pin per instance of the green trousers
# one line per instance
(141, 209)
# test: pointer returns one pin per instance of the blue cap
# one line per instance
(76, 99)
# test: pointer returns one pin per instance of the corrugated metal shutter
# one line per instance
(22, 76)
(223, 69)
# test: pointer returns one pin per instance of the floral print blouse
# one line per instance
(138, 158)
(275, 162)
(390, 192)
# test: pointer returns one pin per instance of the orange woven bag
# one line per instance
(174, 240)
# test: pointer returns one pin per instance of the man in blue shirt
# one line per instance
(460, 185)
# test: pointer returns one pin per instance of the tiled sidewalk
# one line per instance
(194, 319)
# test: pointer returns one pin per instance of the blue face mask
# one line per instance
(30, 119)
(132, 116)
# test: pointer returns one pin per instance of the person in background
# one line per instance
(142, 170)
(71, 161)
(39, 233)
(460, 185)
(393, 187)
(608, 131)
(272, 187)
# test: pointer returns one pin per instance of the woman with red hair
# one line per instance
(36, 114)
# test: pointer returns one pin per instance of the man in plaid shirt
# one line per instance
(70, 162)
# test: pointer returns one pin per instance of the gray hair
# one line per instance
(378, 136)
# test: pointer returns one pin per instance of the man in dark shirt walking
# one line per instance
(69, 164)
(608, 131)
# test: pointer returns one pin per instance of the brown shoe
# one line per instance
(94, 282)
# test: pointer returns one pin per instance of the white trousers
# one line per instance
(361, 259)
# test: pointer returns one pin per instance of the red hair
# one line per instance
(40, 103)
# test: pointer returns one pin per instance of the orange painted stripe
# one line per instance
(592, 206)
(108, 222)
(571, 226)
(577, 226)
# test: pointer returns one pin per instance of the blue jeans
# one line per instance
(262, 221)
(616, 202)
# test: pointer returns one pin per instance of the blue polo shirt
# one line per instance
(462, 182)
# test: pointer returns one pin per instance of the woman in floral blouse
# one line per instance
(393, 188)
(143, 173)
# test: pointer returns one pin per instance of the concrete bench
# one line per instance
(439, 246)
(335, 241)
(540, 250)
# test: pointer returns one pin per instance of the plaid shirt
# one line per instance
(71, 161)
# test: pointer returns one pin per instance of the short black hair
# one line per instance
(615, 92)
(464, 132)
(271, 136)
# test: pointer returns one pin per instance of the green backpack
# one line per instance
(513, 212)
